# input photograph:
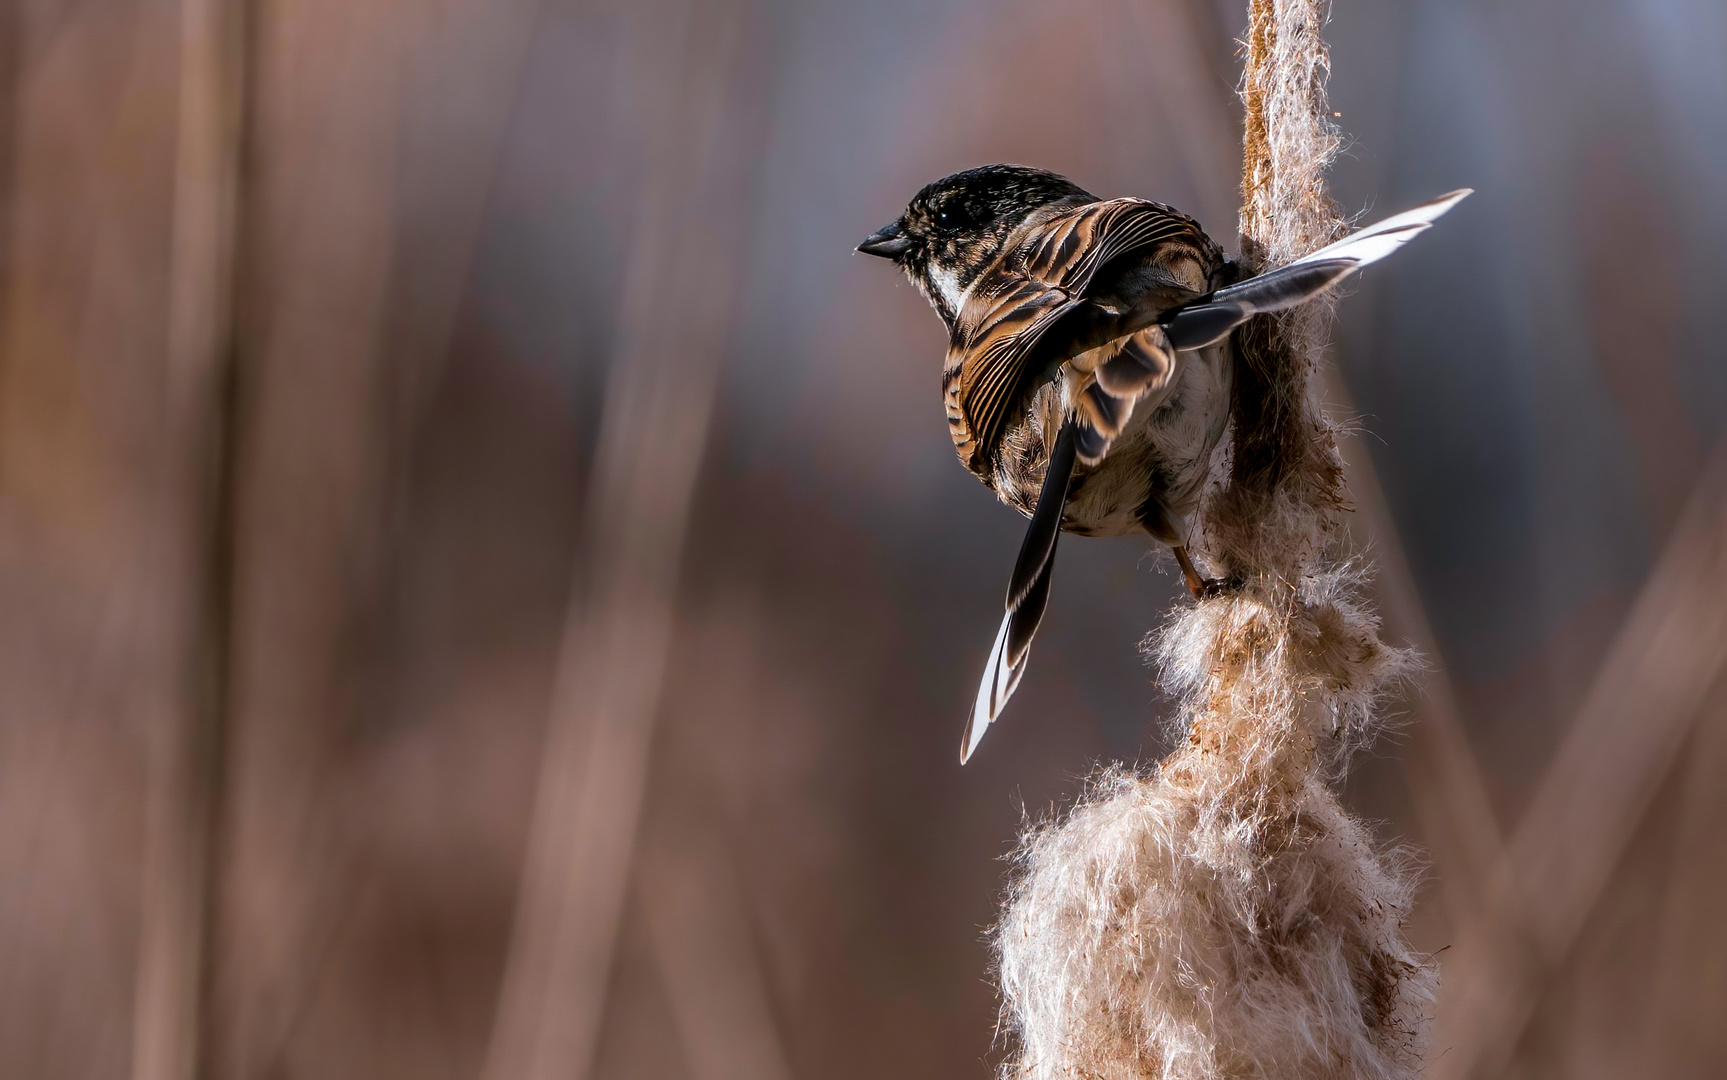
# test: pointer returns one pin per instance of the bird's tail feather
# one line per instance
(1208, 321)
(1027, 595)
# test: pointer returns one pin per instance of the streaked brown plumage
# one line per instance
(1080, 287)
(1089, 360)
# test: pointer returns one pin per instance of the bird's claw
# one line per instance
(1203, 588)
(1216, 586)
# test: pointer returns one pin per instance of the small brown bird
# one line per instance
(1089, 360)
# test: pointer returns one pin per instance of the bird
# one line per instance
(1090, 361)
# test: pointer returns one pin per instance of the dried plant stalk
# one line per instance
(171, 1030)
(1224, 916)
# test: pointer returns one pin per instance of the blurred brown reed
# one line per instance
(675, 309)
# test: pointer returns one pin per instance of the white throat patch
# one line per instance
(946, 283)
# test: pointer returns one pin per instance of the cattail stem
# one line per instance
(1224, 916)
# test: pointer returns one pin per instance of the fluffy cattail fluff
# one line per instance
(1223, 916)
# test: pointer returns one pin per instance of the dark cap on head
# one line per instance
(972, 202)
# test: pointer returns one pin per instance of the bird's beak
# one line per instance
(890, 243)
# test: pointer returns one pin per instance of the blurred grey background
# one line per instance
(547, 656)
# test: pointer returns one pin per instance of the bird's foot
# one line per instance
(1210, 587)
(1203, 588)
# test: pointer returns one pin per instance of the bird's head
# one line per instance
(956, 227)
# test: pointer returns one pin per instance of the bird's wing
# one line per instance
(1069, 250)
(1027, 594)
(1028, 312)
(993, 361)
(1212, 318)
(1104, 387)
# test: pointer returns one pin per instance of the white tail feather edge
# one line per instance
(1379, 240)
(998, 684)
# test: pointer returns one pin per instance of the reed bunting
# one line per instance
(1089, 360)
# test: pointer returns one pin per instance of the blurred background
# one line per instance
(485, 590)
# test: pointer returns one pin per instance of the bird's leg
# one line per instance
(1201, 587)
(1194, 581)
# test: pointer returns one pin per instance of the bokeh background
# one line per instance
(485, 590)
